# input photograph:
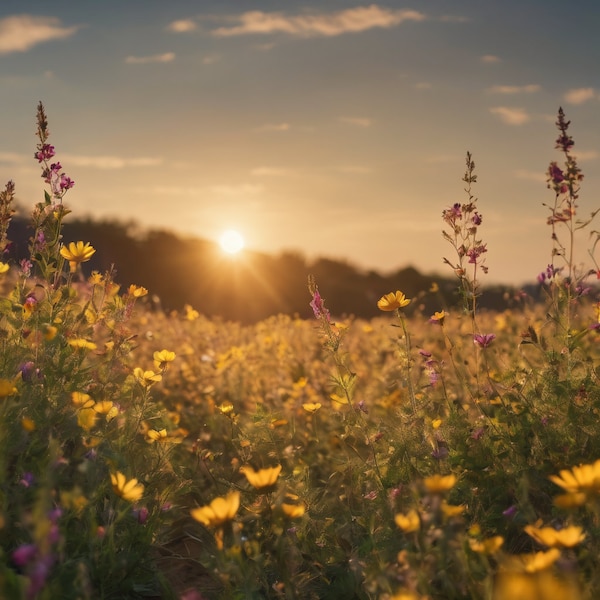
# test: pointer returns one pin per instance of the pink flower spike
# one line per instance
(483, 340)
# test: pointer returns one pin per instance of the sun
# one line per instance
(231, 241)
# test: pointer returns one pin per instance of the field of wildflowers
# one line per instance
(414, 456)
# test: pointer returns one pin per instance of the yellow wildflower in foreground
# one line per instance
(76, 253)
(393, 301)
(488, 546)
(553, 538)
(4, 268)
(82, 343)
(162, 358)
(146, 378)
(154, 435)
(7, 388)
(263, 478)
(128, 490)
(137, 291)
(409, 522)
(584, 478)
(437, 484)
(311, 407)
(219, 511)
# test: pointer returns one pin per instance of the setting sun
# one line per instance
(231, 241)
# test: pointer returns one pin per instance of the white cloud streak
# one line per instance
(511, 116)
(490, 59)
(514, 89)
(358, 121)
(108, 162)
(182, 26)
(155, 58)
(20, 33)
(352, 20)
(281, 127)
(580, 95)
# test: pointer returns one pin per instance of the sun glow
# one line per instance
(231, 241)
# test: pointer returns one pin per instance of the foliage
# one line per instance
(451, 455)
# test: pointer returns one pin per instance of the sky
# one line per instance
(331, 128)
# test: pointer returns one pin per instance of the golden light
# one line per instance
(231, 241)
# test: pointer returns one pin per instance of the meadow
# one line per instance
(453, 455)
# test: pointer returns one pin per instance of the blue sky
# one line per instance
(333, 128)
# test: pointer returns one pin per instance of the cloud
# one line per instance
(511, 116)
(20, 33)
(270, 172)
(155, 58)
(423, 85)
(274, 127)
(583, 155)
(351, 20)
(579, 95)
(182, 26)
(242, 189)
(535, 176)
(490, 59)
(211, 59)
(514, 89)
(358, 121)
(108, 162)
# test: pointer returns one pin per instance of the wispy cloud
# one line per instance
(351, 20)
(510, 115)
(155, 58)
(20, 33)
(423, 85)
(490, 59)
(182, 26)
(274, 127)
(108, 162)
(270, 172)
(358, 121)
(514, 89)
(535, 176)
(241, 189)
(583, 155)
(580, 95)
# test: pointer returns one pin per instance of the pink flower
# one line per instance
(483, 340)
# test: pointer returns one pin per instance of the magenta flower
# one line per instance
(318, 306)
(483, 340)
(46, 152)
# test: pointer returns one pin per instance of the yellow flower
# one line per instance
(487, 546)
(76, 253)
(137, 291)
(584, 478)
(86, 418)
(436, 423)
(128, 490)
(82, 400)
(437, 484)
(311, 407)
(28, 424)
(146, 378)
(292, 507)
(393, 301)
(562, 538)
(226, 408)
(452, 510)
(154, 435)
(82, 343)
(4, 268)
(439, 317)
(162, 358)
(190, 313)
(409, 522)
(219, 511)
(263, 478)
(73, 500)
(7, 388)
(49, 332)
(103, 407)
